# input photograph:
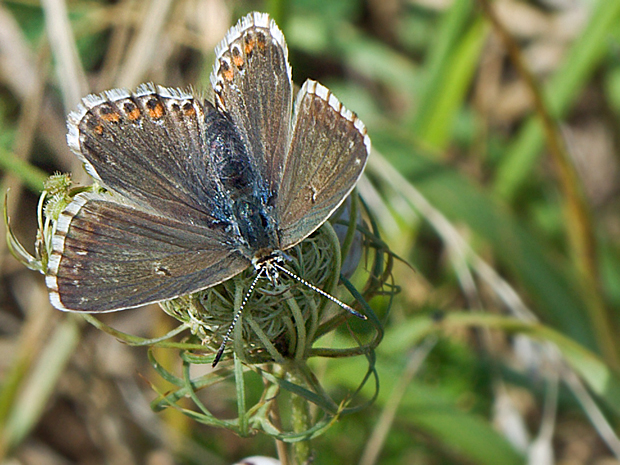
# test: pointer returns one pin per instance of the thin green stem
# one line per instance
(300, 411)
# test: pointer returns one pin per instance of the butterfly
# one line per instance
(198, 191)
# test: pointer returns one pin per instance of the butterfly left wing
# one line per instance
(110, 256)
(327, 155)
(154, 147)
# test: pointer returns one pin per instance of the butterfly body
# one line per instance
(246, 200)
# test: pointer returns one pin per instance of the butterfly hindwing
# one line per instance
(110, 256)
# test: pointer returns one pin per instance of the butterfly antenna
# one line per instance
(220, 351)
(320, 291)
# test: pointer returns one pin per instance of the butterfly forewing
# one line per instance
(252, 84)
(109, 256)
(328, 152)
(150, 148)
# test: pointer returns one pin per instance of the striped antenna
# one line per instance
(320, 291)
(220, 351)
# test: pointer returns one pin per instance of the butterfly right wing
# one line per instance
(110, 256)
(328, 151)
(252, 83)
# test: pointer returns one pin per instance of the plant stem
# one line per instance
(300, 411)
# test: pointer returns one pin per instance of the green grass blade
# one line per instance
(451, 89)
(466, 435)
(30, 175)
(562, 91)
(531, 260)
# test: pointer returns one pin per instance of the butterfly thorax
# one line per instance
(256, 226)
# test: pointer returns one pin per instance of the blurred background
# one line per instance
(494, 173)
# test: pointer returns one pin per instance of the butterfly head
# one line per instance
(268, 264)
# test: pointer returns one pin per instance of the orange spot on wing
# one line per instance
(261, 40)
(227, 70)
(155, 109)
(249, 44)
(189, 110)
(238, 60)
(134, 114)
(111, 117)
